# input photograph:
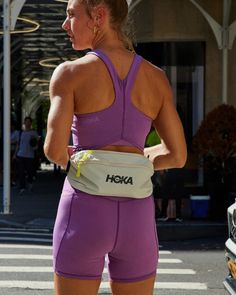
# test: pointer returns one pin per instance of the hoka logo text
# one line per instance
(119, 179)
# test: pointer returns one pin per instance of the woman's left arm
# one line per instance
(60, 115)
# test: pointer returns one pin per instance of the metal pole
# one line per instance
(133, 4)
(225, 75)
(6, 107)
(225, 43)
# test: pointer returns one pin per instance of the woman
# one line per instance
(110, 97)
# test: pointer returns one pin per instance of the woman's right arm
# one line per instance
(60, 115)
(170, 130)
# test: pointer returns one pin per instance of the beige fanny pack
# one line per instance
(109, 173)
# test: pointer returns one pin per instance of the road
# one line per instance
(186, 267)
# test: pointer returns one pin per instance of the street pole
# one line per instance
(11, 10)
(225, 75)
(6, 106)
(225, 48)
(133, 4)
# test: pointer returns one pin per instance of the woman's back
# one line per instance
(115, 102)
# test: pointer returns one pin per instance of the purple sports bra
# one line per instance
(119, 124)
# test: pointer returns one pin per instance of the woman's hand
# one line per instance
(70, 150)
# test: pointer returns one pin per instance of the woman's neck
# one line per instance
(108, 41)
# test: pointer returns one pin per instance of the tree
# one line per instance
(215, 144)
(215, 140)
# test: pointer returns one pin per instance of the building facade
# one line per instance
(175, 35)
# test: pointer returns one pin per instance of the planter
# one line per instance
(200, 206)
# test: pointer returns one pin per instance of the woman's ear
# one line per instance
(99, 15)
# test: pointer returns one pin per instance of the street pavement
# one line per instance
(28, 266)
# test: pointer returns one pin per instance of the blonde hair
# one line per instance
(118, 17)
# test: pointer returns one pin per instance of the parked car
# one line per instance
(230, 251)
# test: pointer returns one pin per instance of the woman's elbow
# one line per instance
(51, 153)
(47, 152)
(180, 160)
(55, 155)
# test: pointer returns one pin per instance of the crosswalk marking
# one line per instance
(25, 256)
(26, 246)
(170, 285)
(180, 285)
(46, 283)
(49, 257)
(105, 271)
(42, 247)
(13, 246)
(26, 269)
(181, 271)
(22, 246)
(165, 252)
(43, 285)
(169, 260)
(176, 271)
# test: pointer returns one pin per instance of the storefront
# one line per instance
(193, 41)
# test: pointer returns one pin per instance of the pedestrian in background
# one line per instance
(14, 143)
(157, 180)
(25, 155)
(172, 189)
(108, 99)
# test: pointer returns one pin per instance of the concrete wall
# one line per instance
(232, 75)
(176, 20)
(143, 18)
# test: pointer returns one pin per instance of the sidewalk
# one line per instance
(37, 209)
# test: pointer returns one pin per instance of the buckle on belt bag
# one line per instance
(109, 173)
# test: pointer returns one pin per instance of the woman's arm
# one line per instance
(60, 115)
(173, 153)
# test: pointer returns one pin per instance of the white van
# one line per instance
(230, 251)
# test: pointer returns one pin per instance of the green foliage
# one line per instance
(152, 138)
(215, 140)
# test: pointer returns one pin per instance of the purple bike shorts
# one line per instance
(88, 227)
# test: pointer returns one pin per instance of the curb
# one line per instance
(189, 231)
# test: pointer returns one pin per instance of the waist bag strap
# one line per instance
(108, 173)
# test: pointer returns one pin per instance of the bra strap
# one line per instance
(108, 64)
(133, 73)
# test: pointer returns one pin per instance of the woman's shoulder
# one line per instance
(152, 69)
(155, 75)
(70, 69)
